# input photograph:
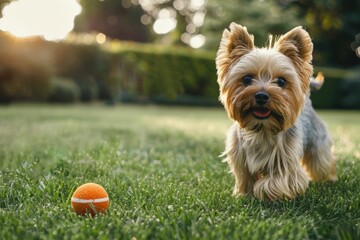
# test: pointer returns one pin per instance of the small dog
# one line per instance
(277, 142)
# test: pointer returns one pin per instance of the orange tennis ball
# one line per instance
(90, 198)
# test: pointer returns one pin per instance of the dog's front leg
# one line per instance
(236, 158)
(277, 186)
(244, 181)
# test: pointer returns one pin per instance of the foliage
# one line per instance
(22, 76)
(333, 26)
(188, 15)
(147, 72)
(153, 71)
(350, 88)
(260, 17)
(340, 89)
(28, 65)
(165, 180)
(35, 70)
(113, 18)
(63, 91)
(88, 66)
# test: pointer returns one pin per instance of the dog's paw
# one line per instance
(279, 188)
(237, 193)
(333, 178)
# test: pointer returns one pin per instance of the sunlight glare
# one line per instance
(163, 26)
(197, 4)
(166, 21)
(52, 19)
(100, 38)
(197, 41)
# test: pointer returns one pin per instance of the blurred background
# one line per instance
(161, 51)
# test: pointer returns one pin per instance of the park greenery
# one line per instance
(161, 169)
(130, 72)
(332, 24)
(160, 164)
(139, 65)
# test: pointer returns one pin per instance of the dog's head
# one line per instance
(264, 88)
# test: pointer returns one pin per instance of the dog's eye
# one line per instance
(281, 82)
(247, 80)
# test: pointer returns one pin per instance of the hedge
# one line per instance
(183, 76)
(36, 70)
(64, 91)
(32, 69)
(23, 77)
(153, 73)
(340, 90)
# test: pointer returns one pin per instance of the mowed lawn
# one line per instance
(161, 168)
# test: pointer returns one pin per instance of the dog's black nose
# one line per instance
(261, 98)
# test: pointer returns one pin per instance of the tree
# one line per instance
(114, 18)
(163, 21)
(261, 17)
(173, 21)
(333, 26)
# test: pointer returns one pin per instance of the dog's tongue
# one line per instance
(261, 113)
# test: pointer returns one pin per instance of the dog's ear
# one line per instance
(297, 45)
(234, 44)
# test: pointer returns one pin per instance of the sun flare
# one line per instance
(52, 19)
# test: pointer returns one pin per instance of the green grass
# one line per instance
(161, 168)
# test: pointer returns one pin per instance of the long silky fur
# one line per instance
(273, 158)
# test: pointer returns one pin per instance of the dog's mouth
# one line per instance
(256, 119)
(261, 112)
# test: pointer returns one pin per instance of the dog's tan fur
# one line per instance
(272, 157)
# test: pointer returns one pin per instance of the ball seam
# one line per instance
(97, 200)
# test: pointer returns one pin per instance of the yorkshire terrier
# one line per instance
(277, 142)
